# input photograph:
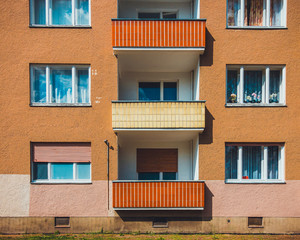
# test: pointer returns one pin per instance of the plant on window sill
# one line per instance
(253, 98)
(232, 98)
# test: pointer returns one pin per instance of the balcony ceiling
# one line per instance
(157, 136)
(157, 61)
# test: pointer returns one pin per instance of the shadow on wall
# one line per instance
(207, 136)
(207, 58)
(170, 215)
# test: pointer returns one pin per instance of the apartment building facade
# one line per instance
(151, 116)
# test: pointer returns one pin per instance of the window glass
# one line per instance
(275, 14)
(39, 85)
(232, 80)
(39, 12)
(169, 15)
(253, 87)
(83, 86)
(61, 85)
(169, 176)
(147, 15)
(251, 163)
(83, 12)
(149, 176)
(231, 158)
(40, 171)
(273, 162)
(254, 12)
(170, 91)
(83, 171)
(233, 12)
(274, 86)
(61, 170)
(62, 12)
(149, 91)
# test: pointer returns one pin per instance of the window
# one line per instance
(156, 91)
(60, 12)
(60, 85)
(254, 162)
(158, 15)
(255, 85)
(157, 164)
(256, 13)
(61, 163)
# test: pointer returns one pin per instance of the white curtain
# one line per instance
(82, 11)
(275, 16)
(273, 162)
(251, 162)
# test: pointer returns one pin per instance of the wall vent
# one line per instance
(160, 223)
(255, 222)
(62, 222)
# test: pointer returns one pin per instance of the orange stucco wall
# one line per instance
(265, 124)
(21, 45)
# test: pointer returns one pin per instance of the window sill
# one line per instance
(255, 105)
(59, 26)
(253, 181)
(256, 28)
(60, 182)
(60, 105)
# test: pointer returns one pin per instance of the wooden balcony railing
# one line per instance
(151, 195)
(158, 33)
(158, 115)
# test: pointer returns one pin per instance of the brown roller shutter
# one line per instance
(157, 160)
(62, 152)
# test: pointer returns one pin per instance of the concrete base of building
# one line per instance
(23, 225)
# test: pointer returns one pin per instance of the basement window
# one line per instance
(62, 222)
(160, 223)
(255, 222)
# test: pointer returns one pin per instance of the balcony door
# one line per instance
(157, 164)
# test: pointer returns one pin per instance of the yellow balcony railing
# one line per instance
(158, 115)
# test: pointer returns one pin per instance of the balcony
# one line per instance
(131, 115)
(162, 195)
(158, 34)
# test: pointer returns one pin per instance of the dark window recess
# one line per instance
(170, 91)
(62, 221)
(147, 15)
(169, 15)
(160, 223)
(255, 222)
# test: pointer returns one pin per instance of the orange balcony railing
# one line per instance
(158, 33)
(158, 195)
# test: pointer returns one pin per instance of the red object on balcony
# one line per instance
(158, 33)
(158, 194)
(245, 177)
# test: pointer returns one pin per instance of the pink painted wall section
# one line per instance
(69, 199)
(242, 200)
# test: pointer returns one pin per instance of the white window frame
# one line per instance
(266, 15)
(160, 177)
(161, 89)
(48, 90)
(63, 181)
(264, 167)
(265, 84)
(155, 10)
(48, 9)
